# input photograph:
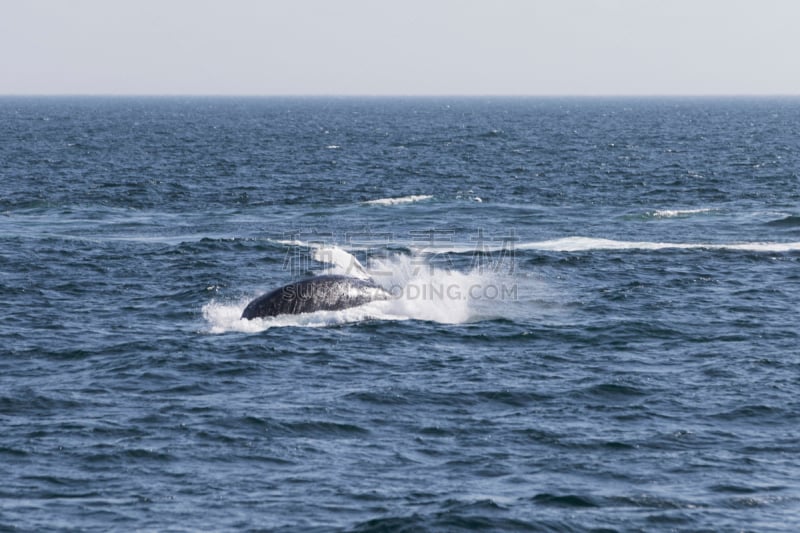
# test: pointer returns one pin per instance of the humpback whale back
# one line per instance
(322, 293)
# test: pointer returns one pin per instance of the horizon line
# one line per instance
(399, 95)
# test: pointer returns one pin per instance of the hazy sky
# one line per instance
(529, 47)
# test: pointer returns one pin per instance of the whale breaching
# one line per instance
(321, 293)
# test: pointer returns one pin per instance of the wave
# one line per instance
(400, 200)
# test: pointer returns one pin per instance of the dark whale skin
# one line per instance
(321, 293)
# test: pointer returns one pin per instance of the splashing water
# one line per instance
(419, 289)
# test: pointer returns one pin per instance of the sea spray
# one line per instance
(420, 290)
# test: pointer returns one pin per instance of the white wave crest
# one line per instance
(400, 200)
(672, 213)
(579, 244)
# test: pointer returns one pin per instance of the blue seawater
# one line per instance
(594, 324)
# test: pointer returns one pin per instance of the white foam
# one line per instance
(292, 242)
(400, 200)
(226, 317)
(671, 213)
(777, 247)
(579, 244)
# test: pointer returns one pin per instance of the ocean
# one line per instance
(593, 323)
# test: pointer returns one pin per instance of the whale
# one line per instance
(321, 293)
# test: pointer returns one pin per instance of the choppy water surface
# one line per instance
(594, 322)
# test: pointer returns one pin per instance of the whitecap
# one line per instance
(400, 200)
(672, 213)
